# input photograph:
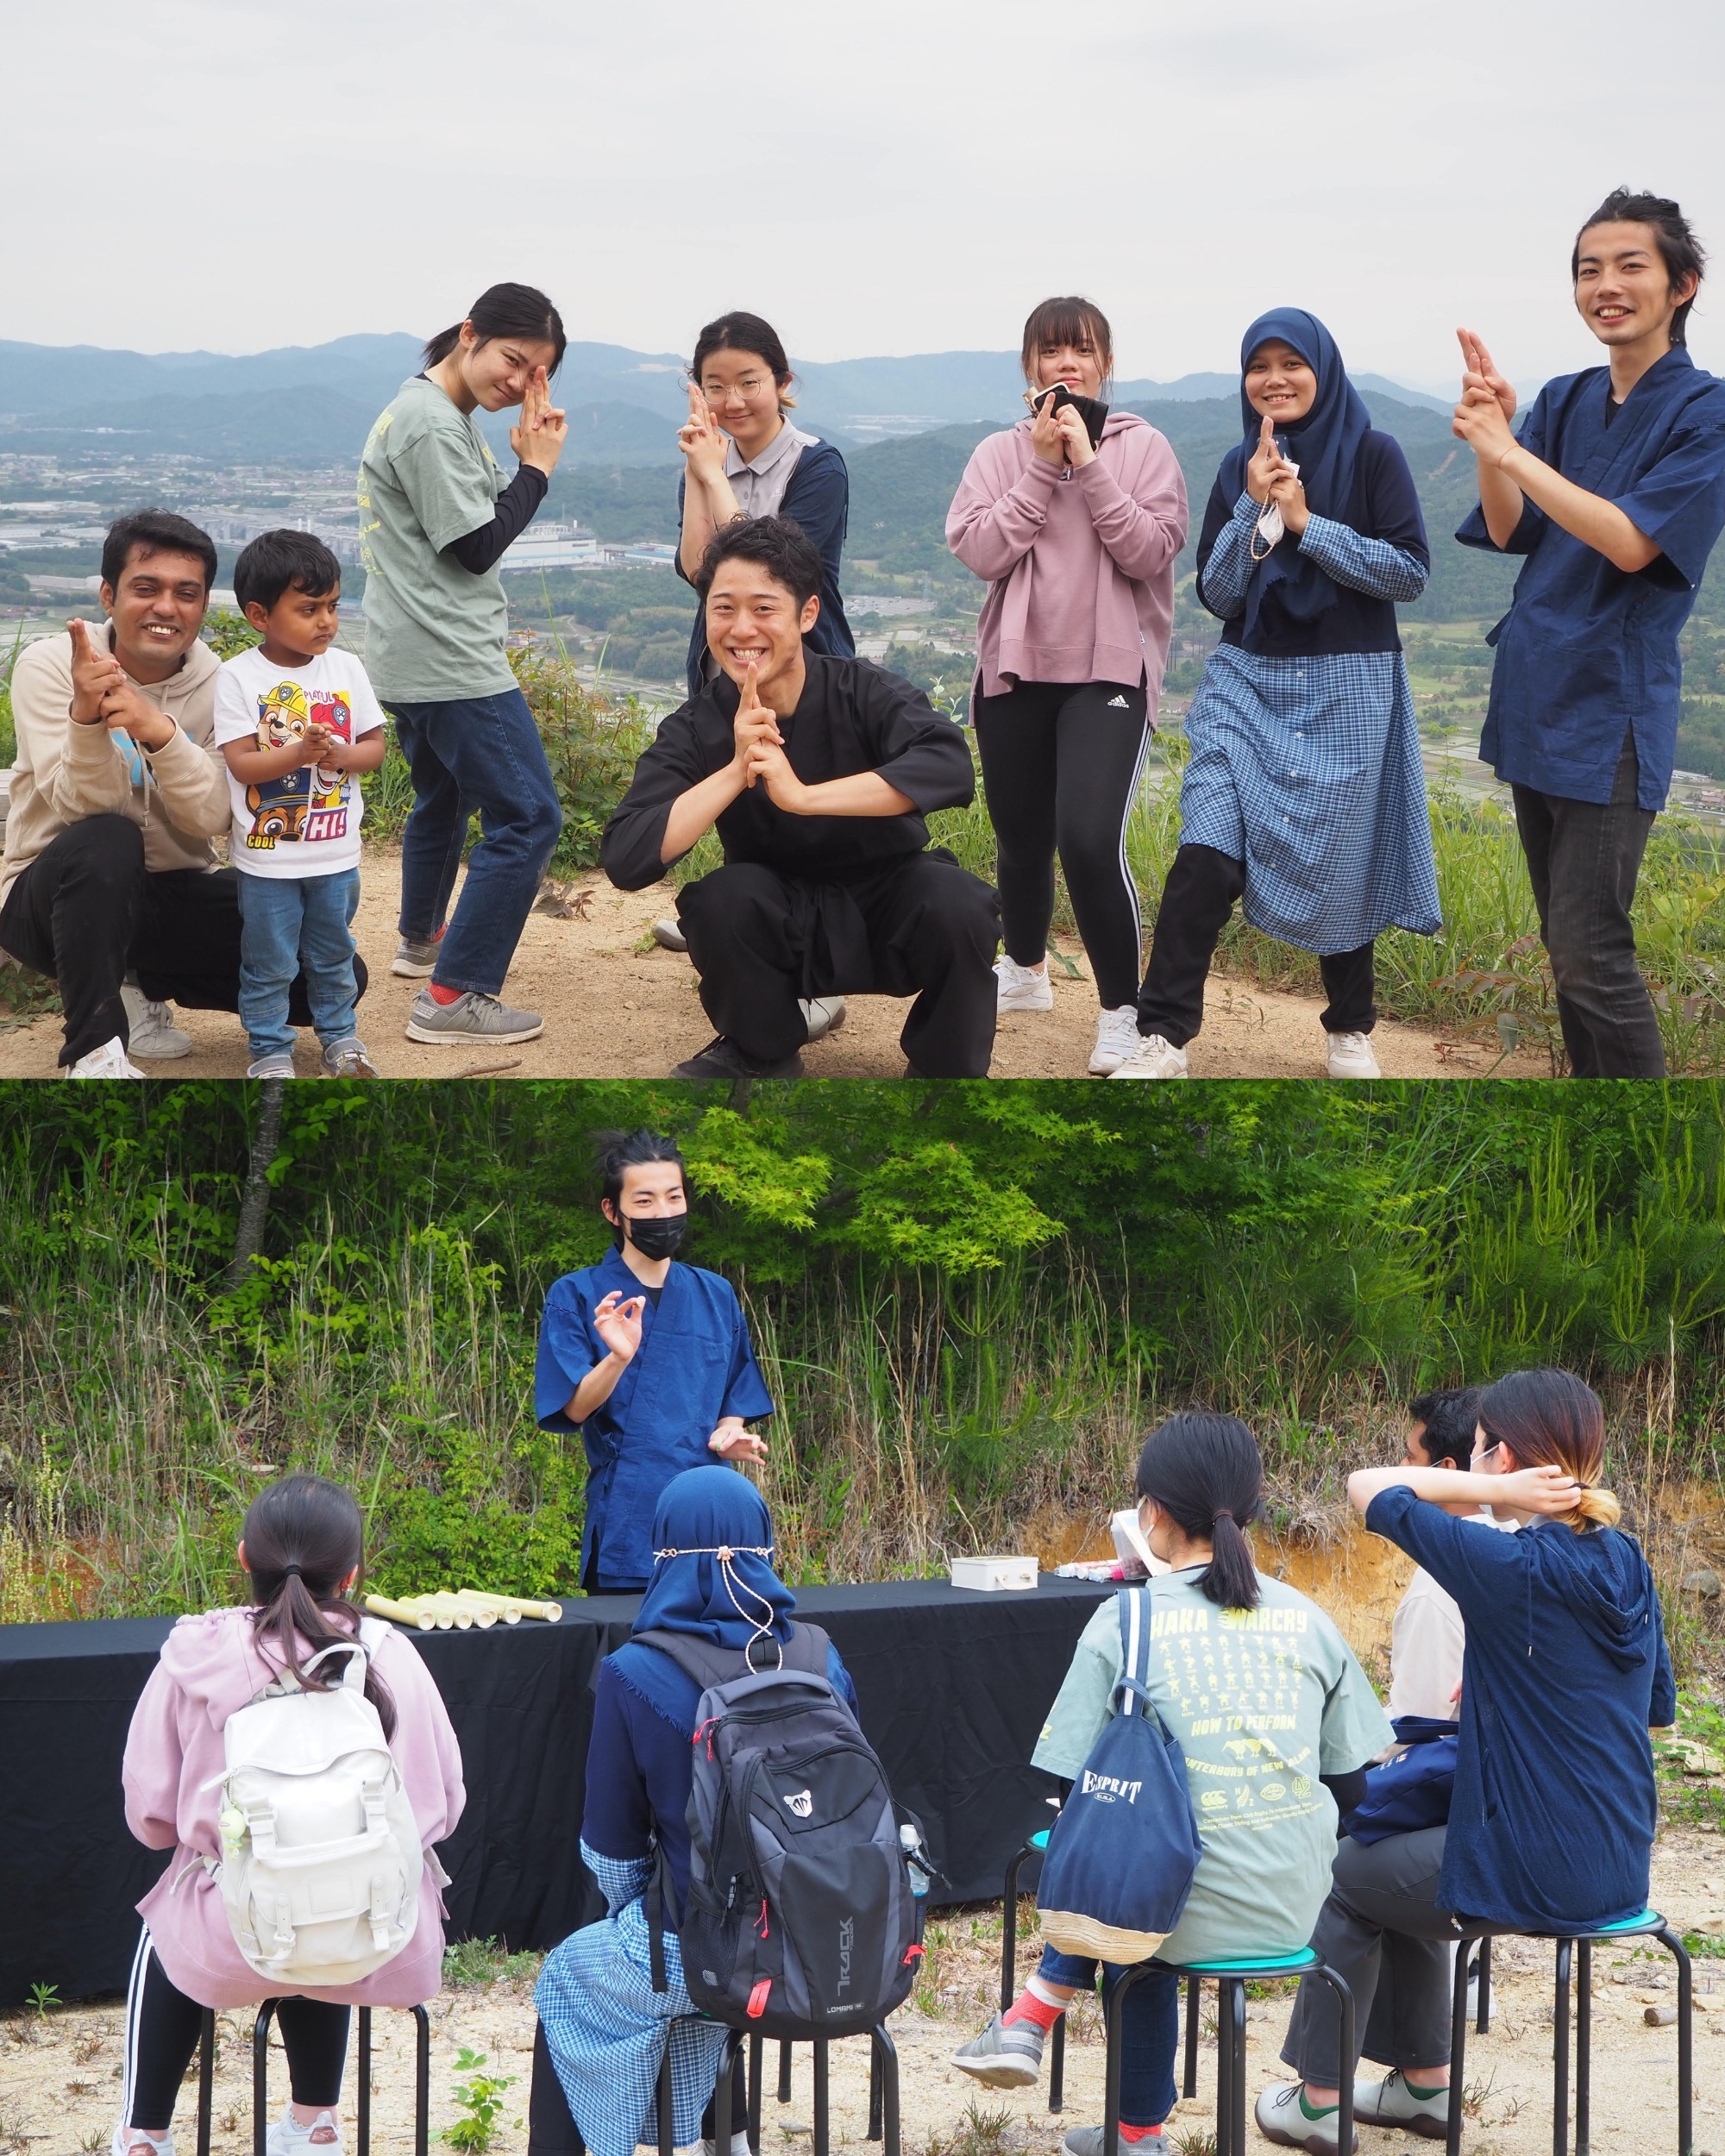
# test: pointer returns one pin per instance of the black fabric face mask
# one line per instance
(1094, 414)
(658, 1237)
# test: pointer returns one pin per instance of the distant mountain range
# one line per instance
(313, 405)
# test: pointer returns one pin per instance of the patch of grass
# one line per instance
(472, 1964)
(979, 2133)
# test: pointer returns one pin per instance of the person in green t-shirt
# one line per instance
(435, 519)
(1278, 1723)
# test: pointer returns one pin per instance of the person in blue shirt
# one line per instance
(603, 2028)
(1551, 1832)
(649, 1359)
(1615, 493)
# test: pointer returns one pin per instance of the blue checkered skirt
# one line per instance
(1308, 771)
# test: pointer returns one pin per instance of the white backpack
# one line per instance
(321, 1856)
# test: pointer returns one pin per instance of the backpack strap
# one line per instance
(1131, 1693)
(805, 1651)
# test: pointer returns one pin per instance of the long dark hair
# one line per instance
(744, 333)
(302, 1538)
(1680, 249)
(1552, 1418)
(1206, 1473)
(504, 310)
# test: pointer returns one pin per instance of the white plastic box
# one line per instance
(993, 1576)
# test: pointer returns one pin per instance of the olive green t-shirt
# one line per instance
(1263, 1700)
(434, 630)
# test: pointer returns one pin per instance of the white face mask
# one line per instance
(1271, 528)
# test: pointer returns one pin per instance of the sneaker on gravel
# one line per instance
(723, 1058)
(1117, 1038)
(347, 1059)
(1022, 987)
(472, 1020)
(1007, 2055)
(822, 1015)
(669, 935)
(154, 1038)
(271, 1067)
(1086, 2140)
(1154, 1057)
(416, 956)
(1391, 2102)
(133, 2141)
(110, 1060)
(1351, 1056)
(1281, 2118)
(322, 2137)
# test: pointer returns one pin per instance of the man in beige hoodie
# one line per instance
(117, 794)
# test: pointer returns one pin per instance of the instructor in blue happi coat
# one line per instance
(649, 1359)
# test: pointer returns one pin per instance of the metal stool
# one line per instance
(1009, 1945)
(883, 2092)
(1575, 1949)
(363, 2141)
(1231, 1979)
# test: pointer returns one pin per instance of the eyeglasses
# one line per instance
(1487, 1453)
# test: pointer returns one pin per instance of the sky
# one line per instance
(874, 176)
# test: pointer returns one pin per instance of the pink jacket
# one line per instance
(1079, 561)
(210, 1666)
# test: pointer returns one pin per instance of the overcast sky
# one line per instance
(876, 176)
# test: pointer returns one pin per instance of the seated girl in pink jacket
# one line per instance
(301, 1546)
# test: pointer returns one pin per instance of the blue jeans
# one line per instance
(290, 926)
(1150, 2031)
(484, 753)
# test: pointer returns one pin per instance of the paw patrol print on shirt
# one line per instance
(309, 804)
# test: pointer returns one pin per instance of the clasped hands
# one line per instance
(104, 694)
(538, 437)
(1060, 436)
(1488, 402)
(1270, 479)
(761, 752)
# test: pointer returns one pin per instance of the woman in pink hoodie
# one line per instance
(1074, 518)
(301, 1546)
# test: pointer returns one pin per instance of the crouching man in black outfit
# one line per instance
(818, 773)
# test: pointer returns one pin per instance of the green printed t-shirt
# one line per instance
(434, 630)
(1264, 1701)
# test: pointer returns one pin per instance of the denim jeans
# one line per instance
(484, 753)
(1582, 859)
(1150, 2031)
(296, 925)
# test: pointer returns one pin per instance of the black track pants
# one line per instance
(1060, 762)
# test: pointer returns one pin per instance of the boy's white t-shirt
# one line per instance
(306, 822)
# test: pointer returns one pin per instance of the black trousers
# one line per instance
(920, 926)
(1583, 861)
(86, 912)
(551, 2130)
(1060, 768)
(1197, 899)
(162, 2028)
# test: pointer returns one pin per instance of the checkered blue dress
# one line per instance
(607, 2027)
(1307, 769)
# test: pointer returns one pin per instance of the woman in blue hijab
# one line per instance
(1304, 796)
(603, 2028)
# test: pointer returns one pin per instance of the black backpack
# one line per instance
(801, 1921)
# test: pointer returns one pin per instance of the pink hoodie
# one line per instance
(210, 1666)
(1079, 561)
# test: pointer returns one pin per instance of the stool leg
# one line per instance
(886, 2053)
(362, 2099)
(823, 2128)
(873, 2133)
(1584, 2043)
(1686, 2040)
(1009, 1930)
(1195, 2009)
(206, 2075)
(261, 2037)
(1561, 2051)
(758, 2045)
(1350, 2034)
(1483, 2024)
(1237, 2104)
(667, 2140)
(1458, 2052)
(1057, 2067)
(422, 2082)
(1225, 2073)
(784, 2069)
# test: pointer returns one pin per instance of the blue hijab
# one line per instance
(1325, 444)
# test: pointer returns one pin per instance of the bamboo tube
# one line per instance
(402, 1613)
(550, 1613)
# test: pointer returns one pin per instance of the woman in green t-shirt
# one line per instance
(1278, 1723)
(435, 518)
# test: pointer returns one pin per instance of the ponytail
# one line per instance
(1552, 1418)
(504, 310)
(1206, 1473)
(302, 1538)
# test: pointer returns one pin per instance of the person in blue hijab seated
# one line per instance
(1615, 492)
(649, 1359)
(603, 2028)
(1304, 796)
(1554, 1809)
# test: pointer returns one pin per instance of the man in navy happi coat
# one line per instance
(1615, 492)
(649, 1359)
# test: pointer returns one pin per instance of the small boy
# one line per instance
(296, 721)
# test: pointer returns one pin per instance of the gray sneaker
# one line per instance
(471, 1020)
(669, 935)
(1390, 2102)
(271, 1067)
(1086, 2140)
(416, 956)
(822, 1015)
(1281, 2119)
(347, 1059)
(152, 1035)
(1003, 2057)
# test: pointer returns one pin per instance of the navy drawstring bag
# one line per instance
(1412, 1790)
(1122, 1854)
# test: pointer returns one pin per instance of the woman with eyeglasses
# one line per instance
(1550, 1832)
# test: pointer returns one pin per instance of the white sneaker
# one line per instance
(822, 1015)
(1154, 1057)
(153, 1034)
(1280, 2119)
(1351, 1056)
(1117, 1038)
(110, 1060)
(288, 2138)
(133, 2141)
(669, 935)
(739, 2144)
(1023, 988)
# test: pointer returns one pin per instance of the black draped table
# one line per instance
(953, 1685)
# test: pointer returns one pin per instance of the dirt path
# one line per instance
(614, 1009)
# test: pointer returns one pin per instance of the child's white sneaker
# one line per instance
(1023, 988)
(1351, 1056)
(1154, 1057)
(322, 2137)
(1117, 1038)
(110, 1060)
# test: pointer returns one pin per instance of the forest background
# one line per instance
(969, 1300)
